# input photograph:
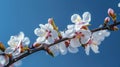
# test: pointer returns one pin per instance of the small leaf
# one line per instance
(2, 47)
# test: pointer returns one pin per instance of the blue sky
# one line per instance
(26, 15)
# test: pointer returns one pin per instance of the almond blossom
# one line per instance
(16, 43)
(79, 22)
(46, 33)
(95, 41)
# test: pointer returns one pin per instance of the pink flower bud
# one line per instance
(50, 20)
(107, 19)
(111, 12)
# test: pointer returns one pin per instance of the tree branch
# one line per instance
(44, 46)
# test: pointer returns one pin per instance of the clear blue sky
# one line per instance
(26, 15)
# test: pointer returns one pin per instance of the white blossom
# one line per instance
(86, 18)
(95, 41)
(16, 42)
(46, 32)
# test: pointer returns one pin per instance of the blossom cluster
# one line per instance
(78, 31)
(78, 34)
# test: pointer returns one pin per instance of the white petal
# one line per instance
(75, 42)
(2, 60)
(16, 52)
(50, 40)
(21, 36)
(40, 39)
(42, 26)
(86, 17)
(49, 26)
(94, 48)
(54, 34)
(107, 33)
(70, 26)
(26, 41)
(75, 18)
(39, 32)
(87, 49)
(78, 27)
(72, 49)
(54, 49)
(9, 50)
(13, 41)
(69, 33)
(62, 48)
(86, 36)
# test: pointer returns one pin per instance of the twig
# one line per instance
(44, 46)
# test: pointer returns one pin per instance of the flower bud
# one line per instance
(107, 19)
(51, 21)
(112, 14)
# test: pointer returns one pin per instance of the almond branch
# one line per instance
(45, 46)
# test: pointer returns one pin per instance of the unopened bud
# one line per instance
(107, 19)
(112, 14)
(51, 21)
